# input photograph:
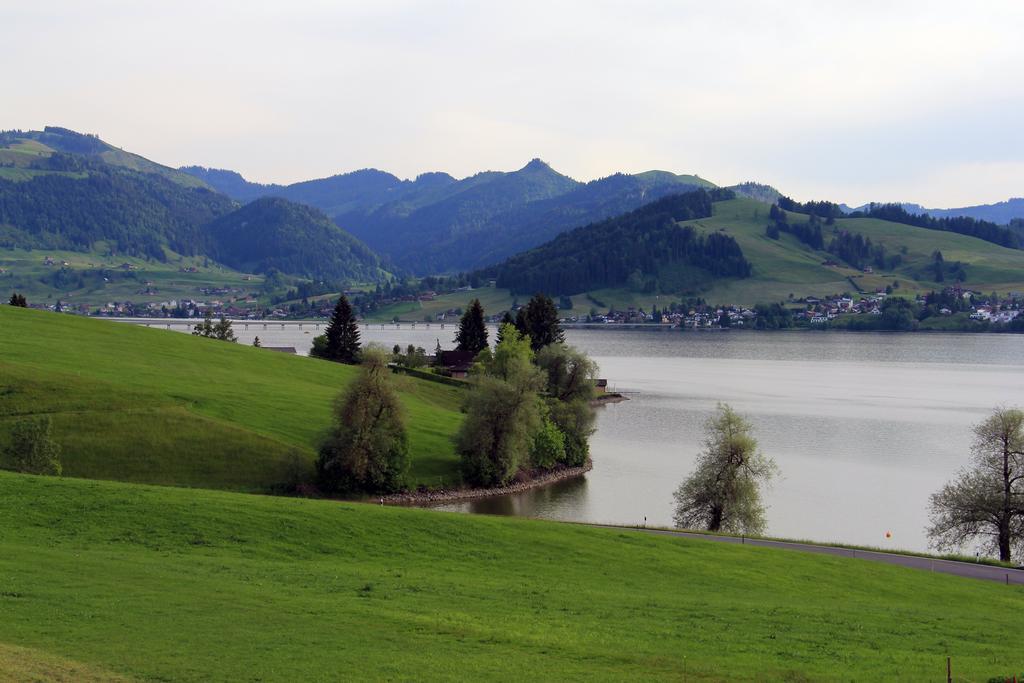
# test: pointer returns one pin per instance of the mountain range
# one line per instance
(62, 190)
(437, 223)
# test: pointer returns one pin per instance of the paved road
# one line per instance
(967, 569)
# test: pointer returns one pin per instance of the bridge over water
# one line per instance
(245, 324)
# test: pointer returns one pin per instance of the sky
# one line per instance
(847, 101)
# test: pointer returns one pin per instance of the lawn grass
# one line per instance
(171, 584)
(148, 405)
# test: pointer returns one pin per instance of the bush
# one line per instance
(31, 450)
(548, 446)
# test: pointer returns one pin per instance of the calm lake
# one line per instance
(863, 426)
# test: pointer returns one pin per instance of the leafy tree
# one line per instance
(575, 419)
(341, 341)
(548, 446)
(542, 322)
(506, 319)
(472, 334)
(222, 330)
(368, 448)
(986, 501)
(18, 300)
(502, 413)
(723, 493)
(31, 449)
(570, 373)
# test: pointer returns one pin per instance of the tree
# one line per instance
(570, 373)
(205, 328)
(472, 334)
(548, 447)
(18, 300)
(723, 493)
(341, 341)
(502, 413)
(541, 322)
(506, 319)
(32, 450)
(986, 501)
(222, 330)
(219, 330)
(367, 449)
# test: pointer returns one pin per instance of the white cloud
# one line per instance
(851, 101)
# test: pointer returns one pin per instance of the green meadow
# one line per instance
(112, 581)
(148, 405)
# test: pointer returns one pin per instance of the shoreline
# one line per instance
(441, 496)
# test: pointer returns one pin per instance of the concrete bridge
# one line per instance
(245, 324)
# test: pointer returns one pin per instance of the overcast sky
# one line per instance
(848, 101)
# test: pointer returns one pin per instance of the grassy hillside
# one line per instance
(147, 405)
(786, 266)
(95, 278)
(169, 584)
(21, 148)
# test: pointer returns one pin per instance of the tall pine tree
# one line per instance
(540, 318)
(472, 334)
(342, 338)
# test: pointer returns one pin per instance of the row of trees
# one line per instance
(216, 330)
(18, 300)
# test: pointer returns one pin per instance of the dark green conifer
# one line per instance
(472, 334)
(342, 334)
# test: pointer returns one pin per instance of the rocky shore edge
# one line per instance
(440, 496)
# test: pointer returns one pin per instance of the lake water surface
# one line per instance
(863, 426)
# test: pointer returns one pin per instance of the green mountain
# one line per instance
(19, 149)
(644, 248)
(436, 223)
(67, 192)
(75, 202)
(273, 233)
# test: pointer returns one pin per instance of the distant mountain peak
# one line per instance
(537, 164)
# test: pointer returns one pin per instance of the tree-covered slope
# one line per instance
(646, 245)
(73, 202)
(293, 238)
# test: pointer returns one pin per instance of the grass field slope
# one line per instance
(152, 583)
(787, 266)
(147, 405)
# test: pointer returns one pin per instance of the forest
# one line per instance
(607, 253)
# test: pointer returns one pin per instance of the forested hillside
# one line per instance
(645, 249)
(273, 233)
(84, 201)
